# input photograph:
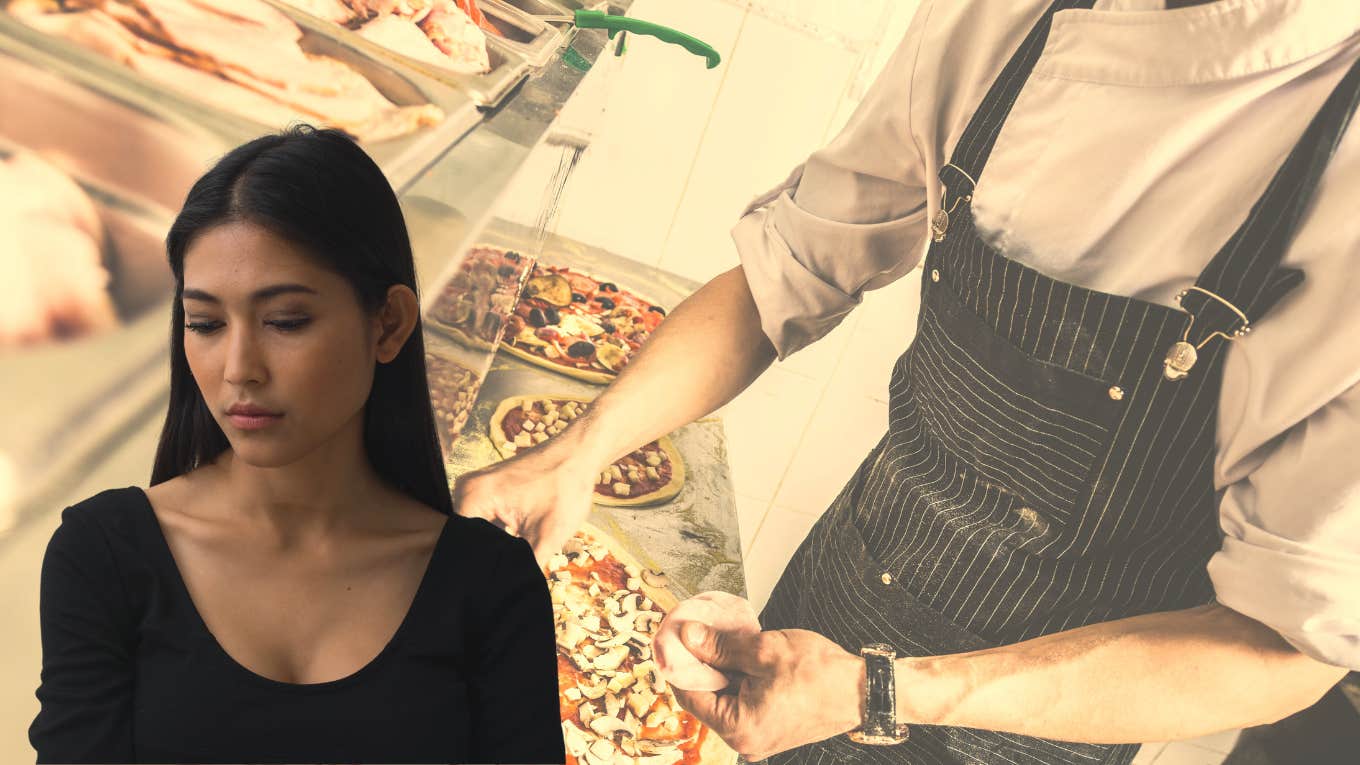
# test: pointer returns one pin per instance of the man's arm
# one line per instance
(1156, 677)
(708, 350)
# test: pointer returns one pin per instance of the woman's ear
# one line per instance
(395, 321)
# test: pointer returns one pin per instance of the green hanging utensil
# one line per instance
(584, 19)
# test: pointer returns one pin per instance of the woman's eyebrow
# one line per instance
(263, 293)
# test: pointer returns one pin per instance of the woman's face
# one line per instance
(280, 347)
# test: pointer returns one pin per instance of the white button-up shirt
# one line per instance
(1134, 151)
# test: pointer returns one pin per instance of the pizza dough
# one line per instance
(721, 611)
(615, 706)
(577, 325)
(650, 475)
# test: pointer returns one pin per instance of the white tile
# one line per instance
(820, 359)
(887, 324)
(850, 25)
(1181, 753)
(781, 90)
(750, 514)
(1148, 752)
(764, 425)
(844, 428)
(625, 190)
(780, 535)
(1218, 742)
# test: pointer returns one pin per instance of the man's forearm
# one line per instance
(709, 349)
(1156, 677)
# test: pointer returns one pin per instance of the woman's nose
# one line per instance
(245, 361)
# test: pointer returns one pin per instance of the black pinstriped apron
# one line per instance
(1039, 472)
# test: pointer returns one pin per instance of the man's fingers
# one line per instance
(723, 650)
(719, 711)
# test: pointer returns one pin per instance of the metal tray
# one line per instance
(402, 159)
(537, 40)
(509, 63)
(64, 402)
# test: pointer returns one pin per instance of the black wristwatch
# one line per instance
(880, 726)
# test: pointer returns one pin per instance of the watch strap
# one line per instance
(880, 699)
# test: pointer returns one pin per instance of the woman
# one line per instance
(1074, 535)
(293, 587)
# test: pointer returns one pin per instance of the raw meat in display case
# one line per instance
(245, 57)
(53, 284)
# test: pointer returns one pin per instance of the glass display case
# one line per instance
(131, 144)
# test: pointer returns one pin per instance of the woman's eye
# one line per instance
(202, 327)
(288, 325)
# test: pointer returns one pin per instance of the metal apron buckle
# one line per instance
(939, 224)
(1183, 355)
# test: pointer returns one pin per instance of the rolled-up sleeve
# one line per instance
(851, 218)
(1291, 551)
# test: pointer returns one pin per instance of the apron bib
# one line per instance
(1040, 471)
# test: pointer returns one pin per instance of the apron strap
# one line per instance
(1246, 272)
(975, 145)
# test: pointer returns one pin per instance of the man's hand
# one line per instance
(790, 688)
(542, 495)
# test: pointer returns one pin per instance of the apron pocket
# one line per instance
(1028, 429)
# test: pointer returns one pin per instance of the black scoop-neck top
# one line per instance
(132, 674)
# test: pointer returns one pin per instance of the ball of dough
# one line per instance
(721, 611)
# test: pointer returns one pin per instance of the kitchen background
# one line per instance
(675, 153)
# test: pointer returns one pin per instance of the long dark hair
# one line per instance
(319, 190)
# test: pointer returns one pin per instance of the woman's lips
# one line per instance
(253, 421)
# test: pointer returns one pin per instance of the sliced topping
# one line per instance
(550, 288)
(582, 349)
(610, 356)
(605, 303)
(576, 324)
(527, 336)
(613, 659)
(537, 318)
(575, 739)
(622, 489)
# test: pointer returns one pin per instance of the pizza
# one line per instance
(580, 326)
(475, 303)
(453, 391)
(615, 707)
(652, 474)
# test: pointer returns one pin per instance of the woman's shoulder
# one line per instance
(110, 514)
(481, 539)
(97, 553)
